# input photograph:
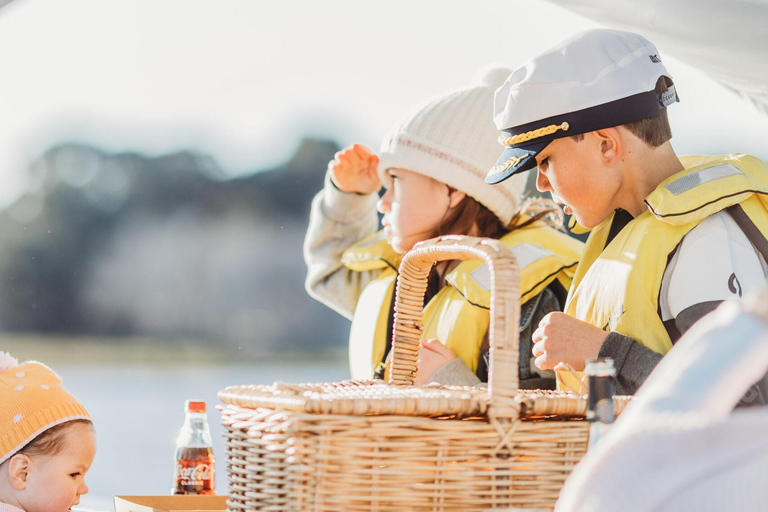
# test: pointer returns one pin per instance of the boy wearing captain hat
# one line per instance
(671, 237)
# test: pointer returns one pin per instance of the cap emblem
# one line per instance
(533, 134)
(496, 169)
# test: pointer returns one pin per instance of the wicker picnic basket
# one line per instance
(385, 447)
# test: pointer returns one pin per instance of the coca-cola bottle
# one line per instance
(194, 467)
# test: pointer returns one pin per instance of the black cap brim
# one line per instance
(514, 160)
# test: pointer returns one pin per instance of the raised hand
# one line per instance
(354, 170)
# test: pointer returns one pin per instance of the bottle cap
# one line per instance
(602, 367)
(195, 406)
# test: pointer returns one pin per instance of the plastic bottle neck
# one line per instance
(195, 432)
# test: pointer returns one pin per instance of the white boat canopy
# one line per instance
(727, 39)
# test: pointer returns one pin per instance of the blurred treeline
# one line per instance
(121, 245)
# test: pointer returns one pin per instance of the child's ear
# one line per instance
(455, 197)
(18, 470)
(611, 146)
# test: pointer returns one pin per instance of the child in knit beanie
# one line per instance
(431, 165)
(47, 441)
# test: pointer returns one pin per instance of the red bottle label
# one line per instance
(194, 471)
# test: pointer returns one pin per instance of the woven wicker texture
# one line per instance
(378, 398)
(376, 446)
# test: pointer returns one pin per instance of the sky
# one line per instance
(245, 80)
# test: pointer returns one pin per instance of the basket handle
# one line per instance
(503, 331)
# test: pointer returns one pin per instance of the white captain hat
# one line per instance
(596, 79)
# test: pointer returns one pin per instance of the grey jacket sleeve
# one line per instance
(455, 373)
(337, 221)
(634, 362)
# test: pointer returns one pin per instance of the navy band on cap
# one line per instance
(607, 115)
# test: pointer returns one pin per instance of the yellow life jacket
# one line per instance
(458, 314)
(616, 287)
(367, 336)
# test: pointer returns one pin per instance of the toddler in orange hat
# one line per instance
(47, 440)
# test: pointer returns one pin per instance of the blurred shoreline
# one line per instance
(140, 350)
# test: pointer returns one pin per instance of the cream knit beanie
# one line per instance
(452, 139)
(33, 400)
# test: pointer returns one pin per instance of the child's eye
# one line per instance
(74, 475)
(390, 181)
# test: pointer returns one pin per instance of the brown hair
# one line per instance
(51, 441)
(654, 131)
(469, 212)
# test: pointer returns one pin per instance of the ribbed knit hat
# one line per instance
(33, 400)
(452, 139)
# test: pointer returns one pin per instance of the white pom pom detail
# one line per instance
(19, 387)
(492, 76)
(17, 418)
(20, 374)
(7, 361)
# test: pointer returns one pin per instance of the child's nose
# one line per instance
(83, 488)
(384, 203)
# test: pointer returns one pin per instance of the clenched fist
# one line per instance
(564, 339)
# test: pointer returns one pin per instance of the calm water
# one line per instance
(138, 411)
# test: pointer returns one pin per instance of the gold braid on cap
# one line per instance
(533, 134)
(496, 169)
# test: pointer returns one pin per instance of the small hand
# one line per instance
(564, 339)
(354, 169)
(432, 356)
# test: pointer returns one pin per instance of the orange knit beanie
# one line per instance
(33, 400)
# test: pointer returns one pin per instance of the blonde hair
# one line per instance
(538, 208)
